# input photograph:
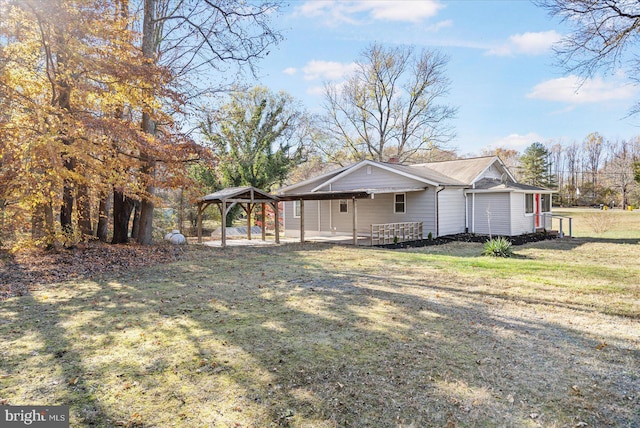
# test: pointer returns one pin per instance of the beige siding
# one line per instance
(373, 177)
(451, 211)
(492, 214)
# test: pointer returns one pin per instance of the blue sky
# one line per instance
(504, 77)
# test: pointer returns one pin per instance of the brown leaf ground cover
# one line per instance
(331, 336)
(24, 270)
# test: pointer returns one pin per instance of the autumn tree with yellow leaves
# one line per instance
(89, 96)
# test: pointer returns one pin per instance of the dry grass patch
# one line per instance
(327, 336)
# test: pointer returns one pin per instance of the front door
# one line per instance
(538, 210)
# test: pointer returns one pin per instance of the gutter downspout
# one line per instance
(466, 211)
(473, 210)
(330, 213)
(438, 190)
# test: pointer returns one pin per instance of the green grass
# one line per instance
(331, 336)
(623, 224)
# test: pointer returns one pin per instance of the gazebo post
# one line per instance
(276, 210)
(248, 210)
(264, 222)
(355, 222)
(223, 215)
(302, 221)
(200, 209)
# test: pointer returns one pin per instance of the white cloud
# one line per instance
(439, 26)
(290, 71)
(353, 12)
(327, 70)
(517, 141)
(527, 44)
(315, 90)
(575, 90)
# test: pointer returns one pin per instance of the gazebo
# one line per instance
(247, 197)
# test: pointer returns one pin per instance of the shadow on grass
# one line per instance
(317, 336)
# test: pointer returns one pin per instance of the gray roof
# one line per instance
(461, 170)
(490, 184)
(248, 193)
(430, 174)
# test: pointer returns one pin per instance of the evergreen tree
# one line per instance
(535, 166)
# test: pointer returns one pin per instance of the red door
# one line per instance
(537, 210)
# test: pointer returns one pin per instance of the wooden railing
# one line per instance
(392, 233)
(551, 217)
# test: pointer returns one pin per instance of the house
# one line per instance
(477, 195)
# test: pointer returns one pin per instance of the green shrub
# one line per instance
(430, 236)
(497, 247)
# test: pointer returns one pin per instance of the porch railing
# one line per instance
(560, 219)
(392, 233)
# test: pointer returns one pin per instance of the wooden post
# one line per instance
(302, 221)
(264, 222)
(249, 210)
(200, 209)
(355, 222)
(276, 207)
(223, 236)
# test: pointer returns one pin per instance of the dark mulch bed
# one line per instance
(468, 237)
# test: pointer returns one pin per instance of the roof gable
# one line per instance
(309, 181)
(383, 166)
(467, 171)
(460, 172)
(246, 193)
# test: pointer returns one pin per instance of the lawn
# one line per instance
(332, 336)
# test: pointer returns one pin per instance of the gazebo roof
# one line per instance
(239, 194)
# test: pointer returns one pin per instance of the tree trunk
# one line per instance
(42, 226)
(145, 233)
(66, 209)
(103, 217)
(122, 207)
(135, 228)
(83, 205)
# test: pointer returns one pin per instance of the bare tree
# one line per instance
(572, 154)
(593, 146)
(191, 37)
(389, 106)
(603, 31)
(619, 168)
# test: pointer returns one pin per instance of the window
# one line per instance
(296, 208)
(545, 201)
(399, 203)
(528, 203)
(344, 206)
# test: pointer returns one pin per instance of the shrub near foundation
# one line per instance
(498, 247)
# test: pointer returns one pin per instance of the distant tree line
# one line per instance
(591, 172)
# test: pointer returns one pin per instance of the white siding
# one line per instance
(420, 207)
(520, 222)
(451, 211)
(492, 214)
(373, 177)
(311, 218)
